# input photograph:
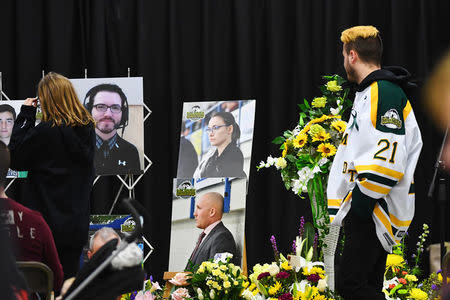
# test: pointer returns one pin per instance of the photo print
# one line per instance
(116, 104)
(227, 223)
(216, 139)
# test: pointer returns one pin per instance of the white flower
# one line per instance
(280, 163)
(387, 283)
(200, 294)
(262, 164)
(273, 269)
(316, 170)
(296, 130)
(212, 294)
(322, 161)
(247, 295)
(322, 285)
(334, 111)
(270, 160)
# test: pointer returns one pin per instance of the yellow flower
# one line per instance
(315, 129)
(320, 297)
(317, 270)
(245, 284)
(418, 294)
(321, 136)
(327, 149)
(410, 277)
(223, 268)
(226, 284)
(394, 260)
(252, 287)
(332, 86)
(285, 266)
(283, 154)
(275, 288)
(339, 125)
(216, 272)
(319, 102)
(300, 140)
(280, 163)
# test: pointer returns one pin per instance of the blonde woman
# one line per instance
(58, 154)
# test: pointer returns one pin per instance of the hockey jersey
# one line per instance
(373, 169)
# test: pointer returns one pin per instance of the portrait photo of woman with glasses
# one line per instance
(224, 159)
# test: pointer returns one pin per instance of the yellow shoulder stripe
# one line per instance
(381, 170)
(406, 110)
(399, 223)
(374, 103)
(374, 188)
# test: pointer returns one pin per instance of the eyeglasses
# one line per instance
(214, 128)
(115, 108)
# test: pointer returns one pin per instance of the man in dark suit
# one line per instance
(215, 237)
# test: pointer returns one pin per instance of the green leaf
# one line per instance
(278, 140)
(402, 291)
(302, 107)
(308, 236)
(261, 289)
(291, 158)
(306, 104)
(287, 134)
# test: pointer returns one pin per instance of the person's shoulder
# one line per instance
(233, 150)
(122, 143)
(19, 207)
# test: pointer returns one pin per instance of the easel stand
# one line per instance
(439, 174)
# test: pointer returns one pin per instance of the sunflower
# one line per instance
(300, 140)
(339, 125)
(321, 136)
(327, 149)
(285, 149)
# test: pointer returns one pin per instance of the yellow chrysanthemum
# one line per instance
(319, 297)
(332, 86)
(275, 288)
(410, 277)
(317, 270)
(418, 294)
(283, 154)
(321, 136)
(339, 125)
(285, 266)
(326, 149)
(319, 102)
(351, 34)
(300, 140)
(394, 260)
(226, 284)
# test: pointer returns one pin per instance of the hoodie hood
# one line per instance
(397, 75)
(79, 142)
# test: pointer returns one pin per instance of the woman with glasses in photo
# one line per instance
(225, 159)
(58, 154)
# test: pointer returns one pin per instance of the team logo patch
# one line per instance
(391, 119)
(185, 190)
(195, 114)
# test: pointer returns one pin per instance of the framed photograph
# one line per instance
(216, 139)
(116, 104)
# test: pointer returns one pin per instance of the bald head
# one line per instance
(208, 209)
(101, 237)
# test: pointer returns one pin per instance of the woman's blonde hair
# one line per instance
(59, 102)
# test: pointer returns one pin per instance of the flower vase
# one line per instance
(329, 251)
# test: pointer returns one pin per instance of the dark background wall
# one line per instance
(273, 51)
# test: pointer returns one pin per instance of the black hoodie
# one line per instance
(397, 75)
(59, 161)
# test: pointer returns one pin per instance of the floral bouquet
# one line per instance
(285, 280)
(401, 279)
(151, 291)
(216, 279)
(307, 151)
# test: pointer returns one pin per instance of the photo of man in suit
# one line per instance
(215, 237)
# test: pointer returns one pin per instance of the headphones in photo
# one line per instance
(108, 87)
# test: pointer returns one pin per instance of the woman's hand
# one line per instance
(31, 102)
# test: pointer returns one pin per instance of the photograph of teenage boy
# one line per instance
(109, 107)
(7, 118)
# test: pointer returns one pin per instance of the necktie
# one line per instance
(200, 238)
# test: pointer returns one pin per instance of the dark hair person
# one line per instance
(225, 159)
(58, 154)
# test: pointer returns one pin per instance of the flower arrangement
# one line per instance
(151, 291)
(289, 279)
(218, 279)
(307, 151)
(401, 280)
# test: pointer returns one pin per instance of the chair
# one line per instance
(39, 277)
